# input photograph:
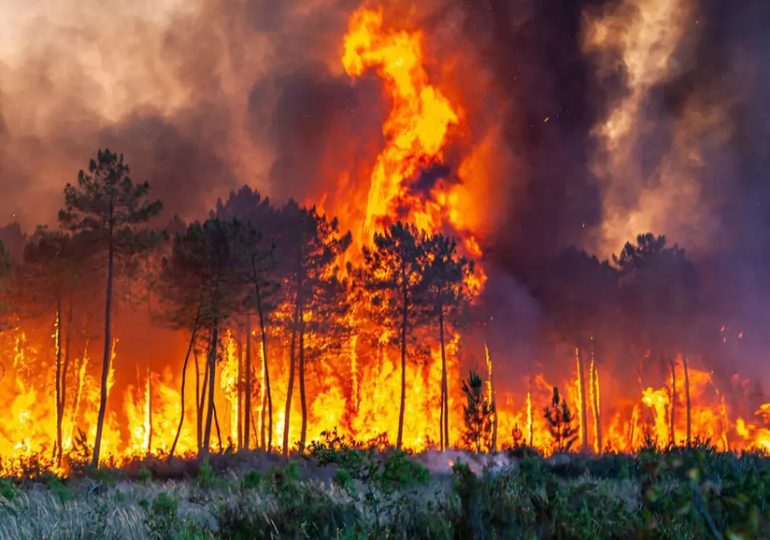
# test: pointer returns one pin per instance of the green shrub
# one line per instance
(206, 476)
(62, 492)
(8, 489)
(165, 504)
(251, 480)
(144, 475)
(343, 478)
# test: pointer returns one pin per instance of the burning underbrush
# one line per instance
(375, 308)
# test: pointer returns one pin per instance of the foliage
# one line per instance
(478, 414)
(560, 419)
(692, 492)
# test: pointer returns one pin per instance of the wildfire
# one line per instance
(356, 389)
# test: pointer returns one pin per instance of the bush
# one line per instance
(8, 489)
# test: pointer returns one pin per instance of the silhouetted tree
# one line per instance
(560, 420)
(263, 277)
(447, 296)
(202, 288)
(394, 275)
(51, 272)
(106, 209)
(478, 414)
(309, 249)
(258, 268)
(659, 293)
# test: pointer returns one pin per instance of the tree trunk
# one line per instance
(216, 424)
(107, 345)
(212, 366)
(239, 391)
(302, 395)
(199, 389)
(58, 390)
(405, 315)
(688, 410)
(290, 385)
(65, 368)
(149, 411)
(247, 387)
(582, 398)
(596, 401)
(444, 416)
(672, 419)
(492, 404)
(265, 370)
(184, 381)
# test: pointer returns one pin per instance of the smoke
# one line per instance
(588, 122)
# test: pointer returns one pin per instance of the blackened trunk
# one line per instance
(688, 410)
(247, 386)
(184, 383)
(199, 390)
(265, 369)
(672, 424)
(107, 345)
(149, 412)
(212, 367)
(302, 395)
(216, 424)
(404, 322)
(59, 384)
(444, 386)
(290, 385)
(239, 388)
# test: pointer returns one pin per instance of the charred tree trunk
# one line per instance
(216, 424)
(149, 411)
(59, 384)
(290, 384)
(184, 383)
(672, 416)
(211, 376)
(107, 340)
(67, 332)
(404, 323)
(582, 398)
(265, 371)
(302, 395)
(444, 417)
(688, 409)
(199, 390)
(239, 387)
(247, 386)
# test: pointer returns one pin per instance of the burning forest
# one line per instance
(430, 227)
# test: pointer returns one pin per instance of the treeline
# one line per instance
(284, 271)
(288, 276)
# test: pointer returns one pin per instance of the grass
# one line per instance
(348, 492)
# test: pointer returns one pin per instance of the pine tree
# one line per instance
(201, 288)
(106, 209)
(51, 272)
(560, 419)
(394, 277)
(447, 297)
(478, 414)
(309, 249)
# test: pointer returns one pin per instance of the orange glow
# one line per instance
(356, 389)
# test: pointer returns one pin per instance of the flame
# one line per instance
(355, 391)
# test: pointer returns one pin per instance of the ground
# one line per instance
(343, 492)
